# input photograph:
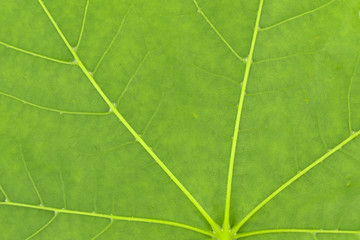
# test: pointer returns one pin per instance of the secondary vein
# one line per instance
(111, 217)
(82, 25)
(52, 109)
(36, 54)
(148, 149)
(293, 179)
(43, 227)
(217, 32)
(312, 231)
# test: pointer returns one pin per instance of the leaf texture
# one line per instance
(144, 119)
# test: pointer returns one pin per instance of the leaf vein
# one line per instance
(285, 57)
(152, 117)
(36, 54)
(30, 177)
(297, 16)
(112, 40)
(249, 62)
(311, 231)
(4, 193)
(82, 25)
(103, 230)
(218, 33)
(52, 109)
(43, 227)
(293, 179)
(349, 92)
(217, 75)
(107, 216)
(132, 78)
(148, 149)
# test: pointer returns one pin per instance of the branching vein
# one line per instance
(52, 109)
(103, 230)
(120, 146)
(4, 193)
(131, 78)
(293, 179)
(349, 92)
(113, 217)
(152, 117)
(298, 16)
(285, 57)
(148, 149)
(350, 155)
(310, 231)
(218, 75)
(82, 25)
(62, 188)
(30, 177)
(277, 90)
(217, 32)
(112, 40)
(36, 54)
(43, 227)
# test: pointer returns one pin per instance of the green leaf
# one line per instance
(144, 119)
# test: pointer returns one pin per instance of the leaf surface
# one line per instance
(180, 119)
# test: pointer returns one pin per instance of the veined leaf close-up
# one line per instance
(180, 120)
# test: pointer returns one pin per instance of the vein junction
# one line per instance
(113, 109)
(222, 234)
(294, 178)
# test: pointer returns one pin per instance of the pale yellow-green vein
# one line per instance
(112, 40)
(107, 216)
(30, 177)
(297, 16)
(43, 227)
(82, 25)
(113, 108)
(249, 62)
(217, 32)
(293, 179)
(36, 54)
(60, 111)
(103, 230)
(309, 231)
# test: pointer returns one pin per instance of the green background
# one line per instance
(179, 84)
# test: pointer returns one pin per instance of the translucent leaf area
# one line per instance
(180, 120)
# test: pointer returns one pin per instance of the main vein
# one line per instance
(293, 179)
(208, 218)
(226, 223)
(111, 217)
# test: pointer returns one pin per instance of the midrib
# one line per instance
(249, 62)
